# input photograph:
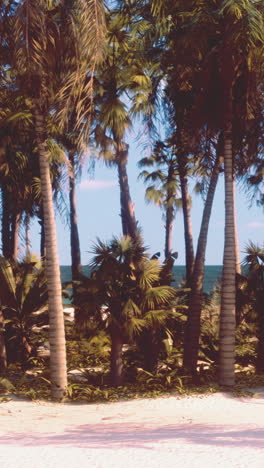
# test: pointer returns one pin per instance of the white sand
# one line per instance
(213, 431)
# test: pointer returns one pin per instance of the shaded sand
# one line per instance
(208, 431)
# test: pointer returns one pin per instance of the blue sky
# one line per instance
(98, 216)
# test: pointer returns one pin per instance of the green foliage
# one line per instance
(24, 300)
(6, 386)
(163, 380)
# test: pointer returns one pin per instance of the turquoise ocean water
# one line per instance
(212, 275)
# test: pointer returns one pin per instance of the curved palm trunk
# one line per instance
(228, 294)
(117, 365)
(129, 223)
(58, 369)
(189, 250)
(76, 265)
(192, 331)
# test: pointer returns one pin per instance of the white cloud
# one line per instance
(255, 225)
(97, 184)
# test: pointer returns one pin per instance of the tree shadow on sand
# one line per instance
(117, 435)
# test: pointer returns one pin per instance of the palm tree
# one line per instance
(127, 283)
(163, 186)
(113, 119)
(71, 146)
(254, 265)
(24, 300)
(225, 42)
(192, 331)
(56, 45)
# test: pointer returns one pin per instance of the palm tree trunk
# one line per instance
(129, 223)
(150, 350)
(238, 265)
(228, 294)
(117, 365)
(58, 369)
(186, 208)
(168, 231)
(192, 331)
(3, 358)
(15, 225)
(76, 265)
(27, 236)
(42, 234)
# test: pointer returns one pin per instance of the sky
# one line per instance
(99, 208)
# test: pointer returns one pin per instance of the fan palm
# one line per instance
(56, 45)
(254, 292)
(127, 284)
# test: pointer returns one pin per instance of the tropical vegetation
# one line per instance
(75, 77)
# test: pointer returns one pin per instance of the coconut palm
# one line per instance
(56, 45)
(163, 186)
(113, 119)
(192, 331)
(225, 42)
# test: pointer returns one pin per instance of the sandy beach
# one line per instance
(217, 430)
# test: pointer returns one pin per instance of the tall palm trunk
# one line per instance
(168, 231)
(58, 369)
(186, 208)
(27, 235)
(228, 294)
(42, 233)
(3, 358)
(76, 265)
(192, 331)
(14, 241)
(117, 364)
(129, 223)
(238, 265)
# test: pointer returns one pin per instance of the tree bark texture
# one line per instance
(192, 331)
(168, 231)
(129, 223)
(76, 265)
(186, 208)
(15, 226)
(238, 264)
(42, 234)
(27, 234)
(58, 368)
(228, 294)
(3, 358)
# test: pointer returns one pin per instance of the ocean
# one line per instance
(211, 276)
